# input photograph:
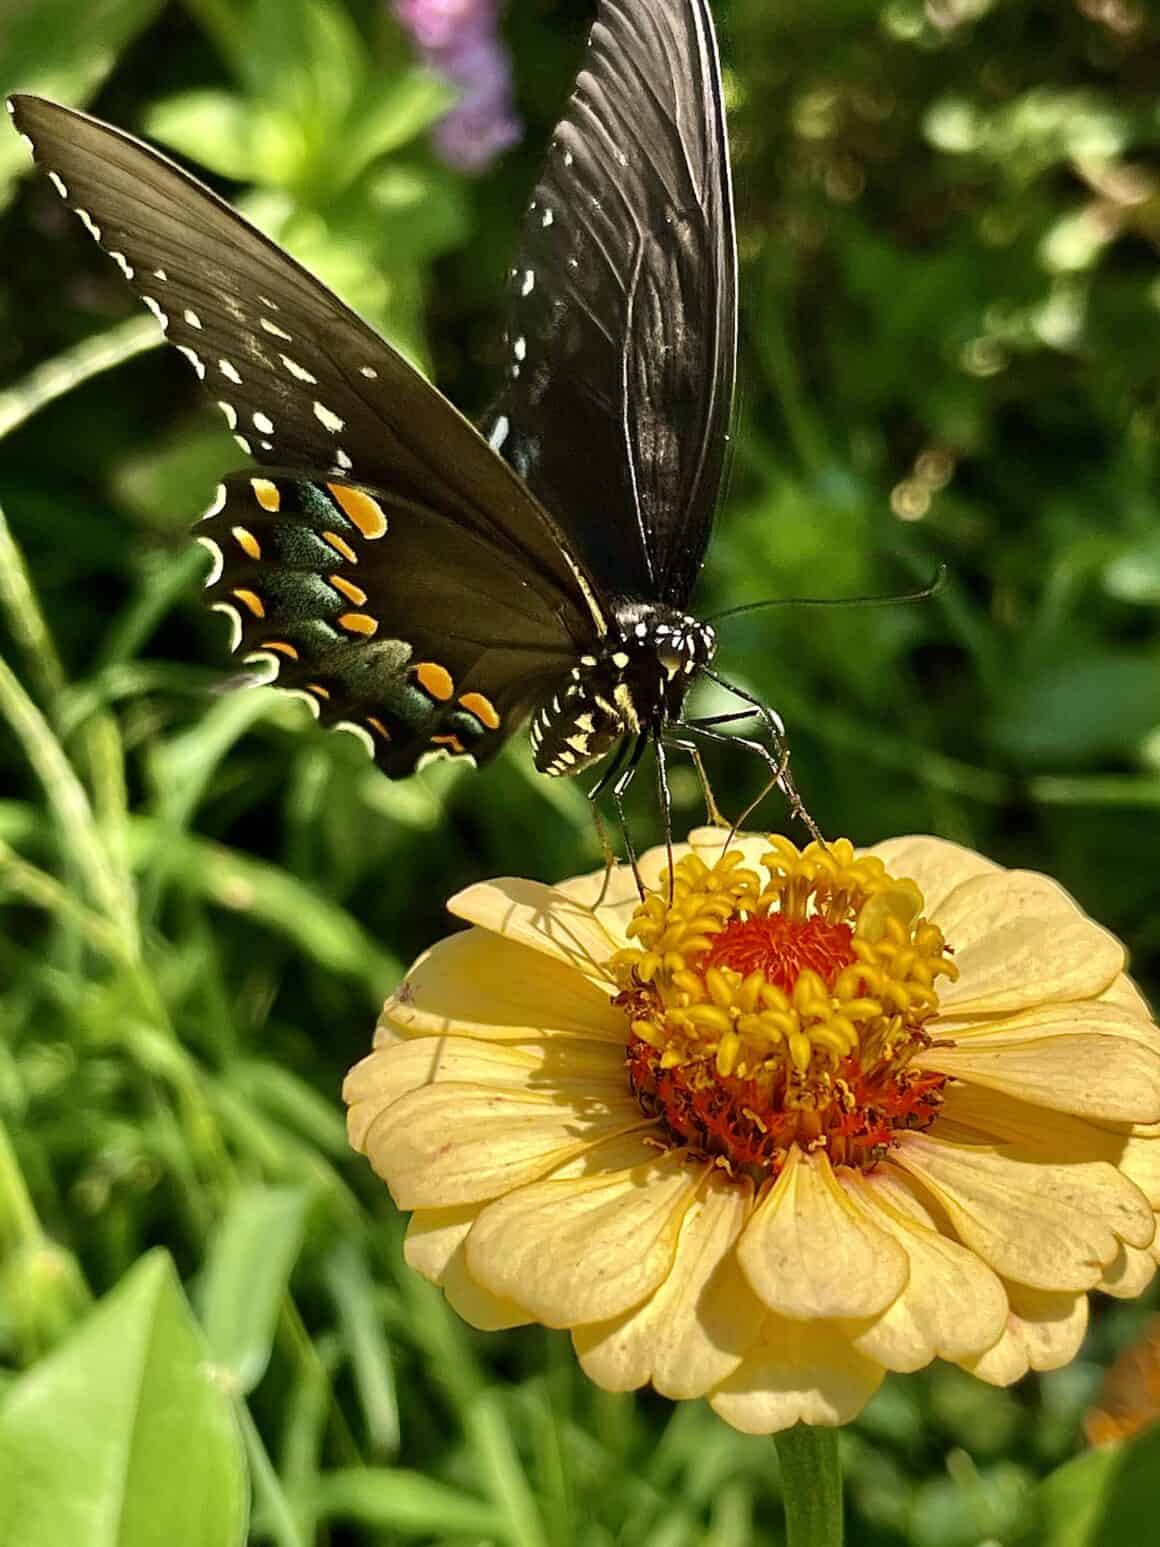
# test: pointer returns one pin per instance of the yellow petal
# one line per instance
(619, 899)
(1089, 1059)
(575, 1070)
(588, 1249)
(476, 984)
(434, 1248)
(1048, 1226)
(797, 1372)
(694, 1330)
(1043, 1332)
(450, 1143)
(809, 1252)
(933, 864)
(1020, 940)
(1129, 1273)
(1041, 1134)
(1122, 991)
(541, 917)
(952, 1307)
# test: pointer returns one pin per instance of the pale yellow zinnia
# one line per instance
(824, 1114)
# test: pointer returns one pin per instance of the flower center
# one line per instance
(789, 1008)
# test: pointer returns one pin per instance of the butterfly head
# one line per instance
(635, 683)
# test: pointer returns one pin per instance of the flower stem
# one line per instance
(811, 1486)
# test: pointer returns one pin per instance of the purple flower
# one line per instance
(460, 39)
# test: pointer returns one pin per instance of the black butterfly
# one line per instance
(424, 585)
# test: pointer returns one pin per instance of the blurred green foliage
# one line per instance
(950, 215)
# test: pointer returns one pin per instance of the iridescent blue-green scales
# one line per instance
(287, 557)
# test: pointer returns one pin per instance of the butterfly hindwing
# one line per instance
(623, 324)
(389, 619)
(302, 380)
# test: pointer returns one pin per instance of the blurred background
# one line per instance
(949, 221)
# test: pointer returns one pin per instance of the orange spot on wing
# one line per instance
(352, 592)
(252, 600)
(247, 542)
(359, 623)
(366, 513)
(377, 725)
(317, 688)
(340, 546)
(435, 679)
(448, 741)
(482, 708)
(267, 495)
(281, 646)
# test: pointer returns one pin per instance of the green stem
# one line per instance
(811, 1486)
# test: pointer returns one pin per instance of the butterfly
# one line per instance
(423, 584)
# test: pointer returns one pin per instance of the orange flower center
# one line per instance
(768, 1012)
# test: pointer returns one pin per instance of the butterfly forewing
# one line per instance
(391, 619)
(302, 380)
(623, 327)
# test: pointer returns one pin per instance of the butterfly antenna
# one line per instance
(893, 599)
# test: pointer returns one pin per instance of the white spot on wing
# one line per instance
(342, 460)
(328, 419)
(443, 755)
(160, 274)
(307, 698)
(273, 329)
(155, 308)
(520, 348)
(59, 184)
(369, 372)
(548, 218)
(244, 444)
(231, 414)
(299, 372)
(191, 317)
(89, 224)
(194, 359)
(218, 557)
(230, 372)
(264, 423)
(219, 502)
(529, 283)
(122, 263)
(270, 661)
(235, 618)
(359, 732)
(500, 432)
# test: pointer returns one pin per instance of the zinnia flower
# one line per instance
(460, 39)
(821, 1115)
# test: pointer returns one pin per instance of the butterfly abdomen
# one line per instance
(635, 684)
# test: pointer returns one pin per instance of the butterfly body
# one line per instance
(634, 684)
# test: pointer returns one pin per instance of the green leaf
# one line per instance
(409, 1503)
(250, 1261)
(393, 117)
(120, 1438)
(62, 50)
(1105, 1498)
(211, 127)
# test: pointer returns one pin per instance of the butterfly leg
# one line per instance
(778, 766)
(666, 799)
(606, 850)
(618, 792)
(712, 810)
(775, 728)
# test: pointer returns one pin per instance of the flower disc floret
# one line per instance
(787, 1008)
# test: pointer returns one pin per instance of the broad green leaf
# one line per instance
(396, 115)
(1105, 1498)
(210, 127)
(121, 1438)
(250, 1260)
(59, 49)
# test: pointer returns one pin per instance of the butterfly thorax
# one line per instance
(633, 683)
